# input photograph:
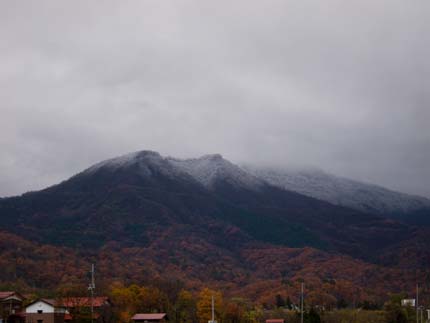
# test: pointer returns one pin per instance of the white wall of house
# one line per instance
(40, 306)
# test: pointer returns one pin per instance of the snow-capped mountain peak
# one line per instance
(144, 162)
(206, 170)
(210, 168)
(125, 160)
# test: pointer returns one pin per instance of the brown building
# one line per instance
(11, 307)
(45, 311)
(150, 317)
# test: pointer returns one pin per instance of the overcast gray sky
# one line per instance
(341, 85)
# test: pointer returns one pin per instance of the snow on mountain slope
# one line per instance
(145, 161)
(341, 191)
(209, 168)
(206, 170)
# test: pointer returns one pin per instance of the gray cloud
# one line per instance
(338, 85)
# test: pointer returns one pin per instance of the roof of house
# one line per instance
(84, 301)
(48, 301)
(6, 294)
(149, 316)
(19, 315)
(275, 321)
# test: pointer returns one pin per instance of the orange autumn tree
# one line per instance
(126, 300)
(185, 307)
(153, 300)
(204, 305)
(238, 310)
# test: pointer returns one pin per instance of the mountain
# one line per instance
(349, 193)
(205, 221)
(127, 199)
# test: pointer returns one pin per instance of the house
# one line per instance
(275, 321)
(80, 307)
(46, 311)
(11, 307)
(150, 317)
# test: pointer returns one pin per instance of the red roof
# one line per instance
(84, 301)
(49, 301)
(275, 321)
(151, 316)
(6, 294)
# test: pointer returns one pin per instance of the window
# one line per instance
(39, 312)
(39, 321)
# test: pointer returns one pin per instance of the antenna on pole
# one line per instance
(416, 305)
(301, 303)
(213, 311)
(91, 288)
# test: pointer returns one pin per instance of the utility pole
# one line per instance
(91, 288)
(301, 302)
(416, 305)
(213, 310)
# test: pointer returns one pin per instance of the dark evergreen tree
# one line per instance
(280, 302)
(288, 303)
(312, 317)
(341, 303)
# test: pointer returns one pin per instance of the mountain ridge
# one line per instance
(313, 182)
